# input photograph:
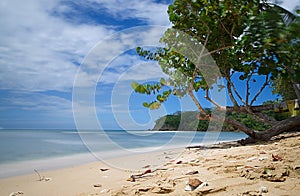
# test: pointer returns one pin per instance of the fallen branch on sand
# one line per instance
(42, 178)
(132, 178)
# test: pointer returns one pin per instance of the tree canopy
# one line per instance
(245, 37)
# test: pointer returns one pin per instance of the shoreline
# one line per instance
(235, 170)
(25, 167)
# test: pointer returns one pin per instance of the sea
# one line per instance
(22, 151)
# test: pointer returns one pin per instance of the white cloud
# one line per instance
(109, 61)
(45, 104)
(153, 13)
(39, 51)
(130, 68)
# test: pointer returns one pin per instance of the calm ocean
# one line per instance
(28, 146)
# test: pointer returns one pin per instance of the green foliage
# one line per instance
(249, 121)
(185, 121)
(234, 32)
(249, 37)
(175, 122)
(168, 122)
(283, 87)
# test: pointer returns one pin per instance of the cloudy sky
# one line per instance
(48, 48)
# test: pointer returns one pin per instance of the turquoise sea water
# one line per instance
(24, 145)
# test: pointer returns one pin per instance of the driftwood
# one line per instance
(42, 178)
(132, 178)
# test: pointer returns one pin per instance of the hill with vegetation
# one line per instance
(188, 121)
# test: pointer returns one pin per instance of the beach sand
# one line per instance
(270, 168)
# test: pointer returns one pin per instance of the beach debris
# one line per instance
(178, 162)
(192, 184)
(47, 179)
(162, 190)
(132, 178)
(251, 158)
(250, 174)
(188, 188)
(195, 183)
(297, 167)
(276, 158)
(97, 185)
(146, 172)
(42, 178)
(16, 193)
(104, 191)
(267, 171)
(277, 175)
(276, 179)
(103, 169)
(192, 173)
(271, 167)
(262, 158)
(263, 189)
(147, 166)
(248, 166)
(252, 193)
(144, 189)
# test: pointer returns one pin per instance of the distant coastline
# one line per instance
(188, 121)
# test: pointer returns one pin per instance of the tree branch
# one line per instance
(191, 93)
(227, 31)
(235, 104)
(236, 92)
(195, 100)
(210, 100)
(241, 127)
(232, 29)
(217, 50)
(260, 91)
(290, 124)
(247, 88)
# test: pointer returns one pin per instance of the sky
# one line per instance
(67, 64)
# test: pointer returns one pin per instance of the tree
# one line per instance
(288, 75)
(247, 38)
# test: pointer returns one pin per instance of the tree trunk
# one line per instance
(290, 124)
(250, 132)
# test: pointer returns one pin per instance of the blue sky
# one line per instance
(44, 42)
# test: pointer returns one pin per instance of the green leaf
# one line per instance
(166, 93)
(154, 105)
(134, 85)
(145, 104)
(163, 82)
(138, 88)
